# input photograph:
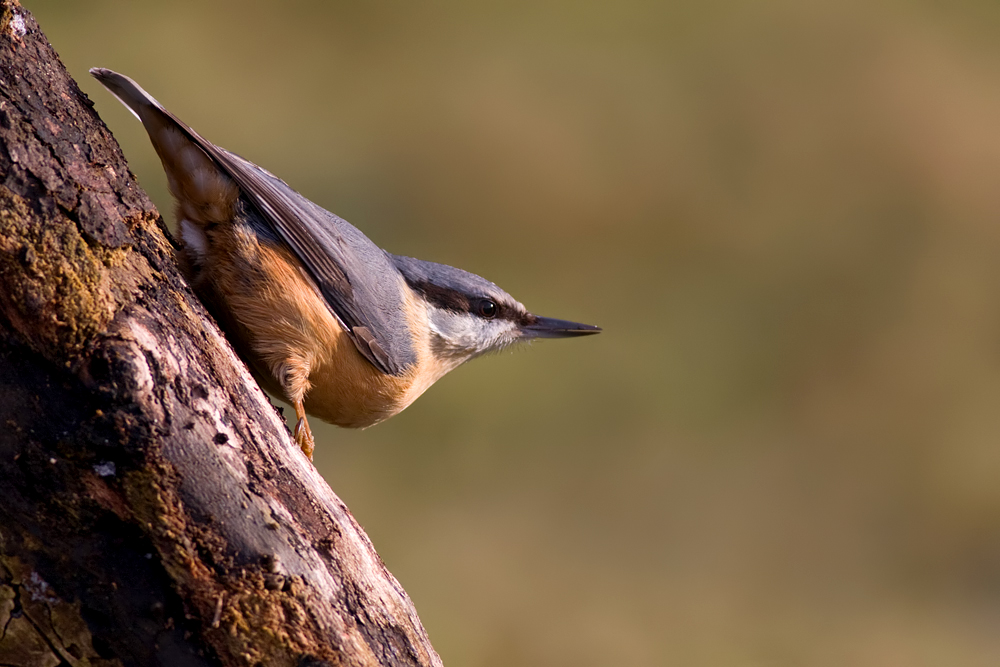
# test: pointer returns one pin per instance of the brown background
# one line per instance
(785, 448)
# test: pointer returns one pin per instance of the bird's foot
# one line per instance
(304, 437)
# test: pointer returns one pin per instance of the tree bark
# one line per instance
(153, 508)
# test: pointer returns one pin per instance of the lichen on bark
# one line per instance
(56, 288)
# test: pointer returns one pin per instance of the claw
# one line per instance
(302, 433)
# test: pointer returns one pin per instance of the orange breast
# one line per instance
(293, 342)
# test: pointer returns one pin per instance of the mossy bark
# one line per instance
(153, 509)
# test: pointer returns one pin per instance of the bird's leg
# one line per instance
(303, 435)
(293, 373)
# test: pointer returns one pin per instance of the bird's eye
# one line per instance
(487, 309)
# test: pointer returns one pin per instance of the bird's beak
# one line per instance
(547, 327)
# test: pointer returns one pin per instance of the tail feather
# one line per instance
(127, 91)
(204, 191)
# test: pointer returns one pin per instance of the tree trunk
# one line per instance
(153, 508)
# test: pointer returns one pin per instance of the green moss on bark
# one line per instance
(56, 283)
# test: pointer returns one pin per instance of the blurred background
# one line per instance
(785, 447)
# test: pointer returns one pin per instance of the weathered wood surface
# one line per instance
(153, 508)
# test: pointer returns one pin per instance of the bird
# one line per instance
(340, 328)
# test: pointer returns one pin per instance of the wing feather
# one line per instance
(357, 279)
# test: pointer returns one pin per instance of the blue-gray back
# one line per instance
(356, 277)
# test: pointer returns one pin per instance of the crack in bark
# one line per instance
(15, 610)
(55, 631)
(19, 611)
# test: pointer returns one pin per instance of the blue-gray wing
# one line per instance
(356, 278)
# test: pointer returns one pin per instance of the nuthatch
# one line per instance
(344, 330)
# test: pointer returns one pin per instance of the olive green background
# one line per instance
(785, 447)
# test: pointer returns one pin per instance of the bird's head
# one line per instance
(469, 316)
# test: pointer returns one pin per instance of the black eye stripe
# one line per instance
(457, 302)
(442, 298)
